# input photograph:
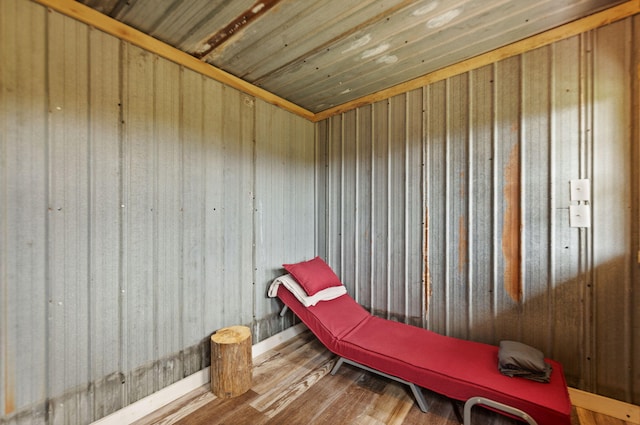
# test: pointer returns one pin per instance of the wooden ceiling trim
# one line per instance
(607, 16)
(124, 32)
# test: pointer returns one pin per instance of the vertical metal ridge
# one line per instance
(124, 364)
(424, 212)
(447, 204)
(328, 191)
(585, 268)
(155, 205)
(469, 202)
(47, 222)
(406, 209)
(372, 206)
(552, 284)
(122, 54)
(89, 190)
(181, 232)
(342, 161)
(494, 198)
(389, 214)
(522, 197)
(356, 224)
(550, 287)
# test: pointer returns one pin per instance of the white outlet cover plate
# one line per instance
(579, 216)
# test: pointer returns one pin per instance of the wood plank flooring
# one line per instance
(292, 385)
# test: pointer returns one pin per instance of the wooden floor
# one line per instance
(292, 385)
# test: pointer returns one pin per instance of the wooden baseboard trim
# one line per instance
(155, 401)
(607, 406)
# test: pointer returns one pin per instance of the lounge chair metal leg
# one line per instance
(495, 405)
(417, 392)
(337, 366)
(284, 311)
(456, 411)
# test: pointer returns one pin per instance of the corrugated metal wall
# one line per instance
(142, 207)
(473, 172)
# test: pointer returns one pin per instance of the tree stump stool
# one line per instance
(231, 362)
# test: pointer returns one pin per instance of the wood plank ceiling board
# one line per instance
(325, 53)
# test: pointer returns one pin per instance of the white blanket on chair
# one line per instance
(294, 287)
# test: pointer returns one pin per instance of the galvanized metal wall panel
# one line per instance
(285, 199)
(105, 210)
(143, 207)
(195, 90)
(138, 237)
(482, 224)
(167, 206)
(535, 200)
(68, 225)
(611, 236)
(23, 179)
(501, 144)
(568, 328)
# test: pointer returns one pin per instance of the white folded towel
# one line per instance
(294, 287)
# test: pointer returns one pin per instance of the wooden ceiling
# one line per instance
(320, 55)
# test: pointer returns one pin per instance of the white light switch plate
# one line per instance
(580, 190)
(579, 216)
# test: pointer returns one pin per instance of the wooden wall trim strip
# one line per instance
(124, 32)
(607, 406)
(571, 29)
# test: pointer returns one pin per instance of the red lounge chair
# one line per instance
(459, 369)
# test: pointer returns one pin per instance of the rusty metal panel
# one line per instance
(507, 204)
